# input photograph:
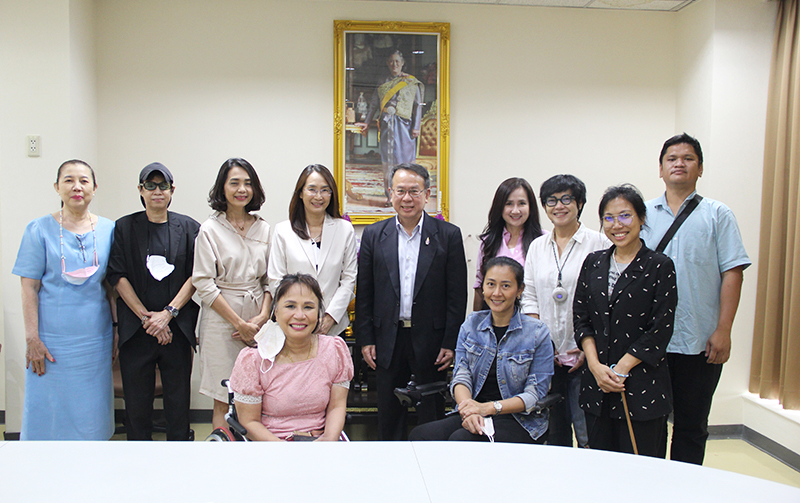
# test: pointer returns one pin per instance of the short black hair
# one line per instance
(415, 168)
(564, 183)
(678, 139)
(627, 192)
(216, 196)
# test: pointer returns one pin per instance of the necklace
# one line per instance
(236, 224)
(315, 245)
(614, 255)
(560, 294)
(614, 261)
(308, 356)
(314, 239)
(80, 241)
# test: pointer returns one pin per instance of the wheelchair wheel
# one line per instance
(220, 435)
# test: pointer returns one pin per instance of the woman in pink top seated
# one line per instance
(294, 385)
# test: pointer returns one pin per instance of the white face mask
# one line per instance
(159, 267)
(270, 341)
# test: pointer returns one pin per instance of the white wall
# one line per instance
(725, 54)
(203, 81)
(535, 92)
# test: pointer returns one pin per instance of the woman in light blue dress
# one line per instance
(68, 327)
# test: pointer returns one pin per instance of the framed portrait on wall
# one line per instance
(392, 106)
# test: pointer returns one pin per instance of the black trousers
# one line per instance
(566, 414)
(392, 415)
(693, 384)
(608, 434)
(506, 429)
(138, 358)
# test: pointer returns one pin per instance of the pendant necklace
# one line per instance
(560, 294)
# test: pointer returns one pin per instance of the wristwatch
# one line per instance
(498, 408)
(171, 310)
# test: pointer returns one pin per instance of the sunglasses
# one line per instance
(150, 185)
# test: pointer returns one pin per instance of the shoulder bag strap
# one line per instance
(690, 206)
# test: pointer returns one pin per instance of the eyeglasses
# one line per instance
(326, 192)
(622, 218)
(401, 193)
(151, 185)
(565, 200)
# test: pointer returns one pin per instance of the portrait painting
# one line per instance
(392, 108)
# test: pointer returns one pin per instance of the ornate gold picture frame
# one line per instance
(392, 87)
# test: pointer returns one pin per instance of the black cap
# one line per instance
(155, 166)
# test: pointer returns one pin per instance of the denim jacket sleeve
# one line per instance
(537, 383)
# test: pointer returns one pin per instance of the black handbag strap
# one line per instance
(683, 215)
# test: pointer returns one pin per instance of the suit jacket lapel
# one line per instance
(142, 237)
(599, 287)
(174, 238)
(306, 245)
(388, 245)
(427, 250)
(329, 229)
(634, 269)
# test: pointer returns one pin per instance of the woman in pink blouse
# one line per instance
(294, 385)
(513, 224)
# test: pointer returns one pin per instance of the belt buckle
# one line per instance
(405, 323)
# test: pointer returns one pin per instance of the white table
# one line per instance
(200, 472)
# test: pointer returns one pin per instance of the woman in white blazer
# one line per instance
(316, 240)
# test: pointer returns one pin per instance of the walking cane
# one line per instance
(630, 426)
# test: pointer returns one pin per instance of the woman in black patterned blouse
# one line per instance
(624, 311)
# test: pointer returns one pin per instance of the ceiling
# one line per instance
(650, 5)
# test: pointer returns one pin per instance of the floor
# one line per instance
(728, 454)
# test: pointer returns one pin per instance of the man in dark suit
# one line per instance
(151, 267)
(411, 299)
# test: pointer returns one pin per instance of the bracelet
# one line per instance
(114, 324)
(624, 376)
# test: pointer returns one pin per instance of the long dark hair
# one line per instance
(492, 235)
(297, 210)
(216, 196)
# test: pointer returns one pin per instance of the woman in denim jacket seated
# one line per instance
(504, 362)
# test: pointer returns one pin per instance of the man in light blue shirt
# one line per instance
(710, 260)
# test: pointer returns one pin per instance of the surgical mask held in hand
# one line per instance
(488, 428)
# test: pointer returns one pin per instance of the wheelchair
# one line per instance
(235, 432)
(238, 433)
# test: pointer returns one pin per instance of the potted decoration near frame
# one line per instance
(392, 106)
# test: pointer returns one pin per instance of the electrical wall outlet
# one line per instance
(34, 145)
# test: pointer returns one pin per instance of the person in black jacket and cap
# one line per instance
(151, 268)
